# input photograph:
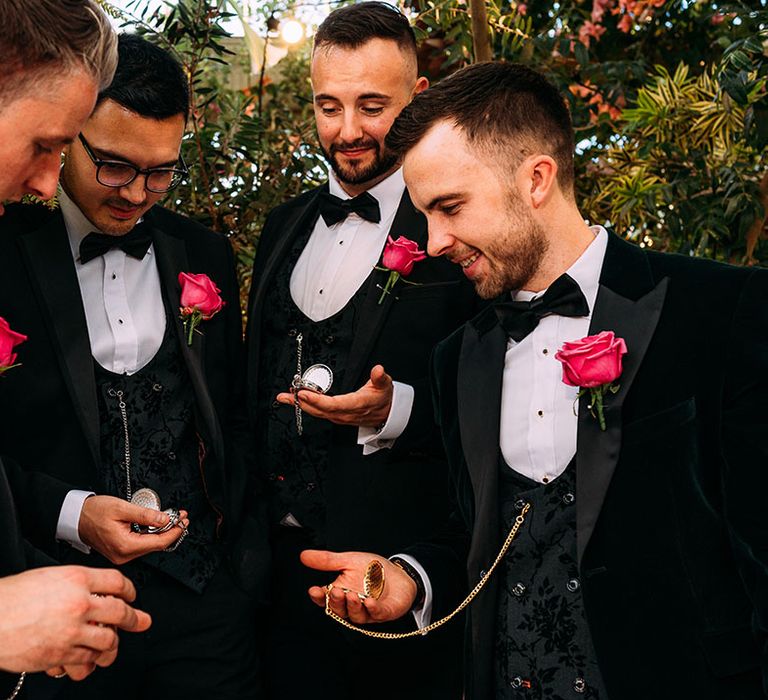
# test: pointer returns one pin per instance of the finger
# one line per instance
(97, 638)
(358, 613)
(323, 560)
(107, 658)
(131, 513)
(286, 397)
(379, 378)
(79, 671)
(317, 594)
(338, 602)
(113, 611)
(109, 582)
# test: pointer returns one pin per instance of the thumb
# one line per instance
(322, 560)
(379, 378)
(132, 513)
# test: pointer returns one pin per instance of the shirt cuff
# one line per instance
(373, 439)
(67, 528)
(422, 614)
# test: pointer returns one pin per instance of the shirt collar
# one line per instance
(388, 192)
(585, 271)
(78, 225)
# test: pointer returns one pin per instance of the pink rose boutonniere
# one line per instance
(398, 259)
(593, 364)
(200, 301)
(8, 341)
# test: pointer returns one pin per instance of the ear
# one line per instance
(421, 84)
(542, 175)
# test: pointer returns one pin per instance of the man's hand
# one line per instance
(65, 616)
(399, 589)
(105, 525)
(369, 406)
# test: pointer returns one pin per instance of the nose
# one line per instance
(350, 127)
(134, 192)
(44, 177)
(440, 239)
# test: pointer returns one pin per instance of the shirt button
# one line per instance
(573, 585)
(579, 685)
(114, 276)
(539, 413)
(320, 292)
(120, 321)
(518, 589)
(545, 351)
(568, 498)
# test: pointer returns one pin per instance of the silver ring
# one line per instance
(61, 675)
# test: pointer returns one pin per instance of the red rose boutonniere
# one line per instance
(200, 301)
(8, 341)
(593, 364)
(398, 259)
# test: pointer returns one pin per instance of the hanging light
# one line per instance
(291, 31)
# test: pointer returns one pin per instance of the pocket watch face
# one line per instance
(317, 378)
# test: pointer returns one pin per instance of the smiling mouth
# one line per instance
(466, 262)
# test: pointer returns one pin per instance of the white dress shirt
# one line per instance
(125, 316)
(332, 267)
(538, 423)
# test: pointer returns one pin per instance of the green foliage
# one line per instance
(668, 99)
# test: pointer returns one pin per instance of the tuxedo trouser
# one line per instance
(200, 646)
(310, 656)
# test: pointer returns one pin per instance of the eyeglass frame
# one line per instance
(146, 172)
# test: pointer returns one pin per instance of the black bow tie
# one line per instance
(134, 243)
(563, 298)
(334, 209)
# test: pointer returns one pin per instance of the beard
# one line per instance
(354, 174)
(516, 257)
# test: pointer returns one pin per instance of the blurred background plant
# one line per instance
(669, 102)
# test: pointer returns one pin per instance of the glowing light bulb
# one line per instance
(292, 31)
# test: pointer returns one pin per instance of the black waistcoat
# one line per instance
(543, 645)
(165, 447)
(296, 466)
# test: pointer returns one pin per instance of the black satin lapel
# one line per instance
(302, 220)
(597, 450)
(172, 259)
(49, 257)
(410, 223)
(479, 384)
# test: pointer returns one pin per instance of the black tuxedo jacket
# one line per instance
(48, 406)
(382, 501)
(672, 530)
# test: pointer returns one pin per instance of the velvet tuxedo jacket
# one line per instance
(672, 527)
(48, 406)
(379, 502)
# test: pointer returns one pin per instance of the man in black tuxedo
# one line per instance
(368, 466)
(47, 615)
(639, 569)
(113, 396)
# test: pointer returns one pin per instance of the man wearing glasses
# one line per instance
(120, 403)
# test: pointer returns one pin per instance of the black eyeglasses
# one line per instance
(114, 173)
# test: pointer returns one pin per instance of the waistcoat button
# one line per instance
(573, 585)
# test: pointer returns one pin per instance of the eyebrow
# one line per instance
(364, 96)
(116, 156)
(442, 198)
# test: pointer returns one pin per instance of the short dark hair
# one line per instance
(505, 109)
(52, 38)
(352, 26)
(148, 80)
